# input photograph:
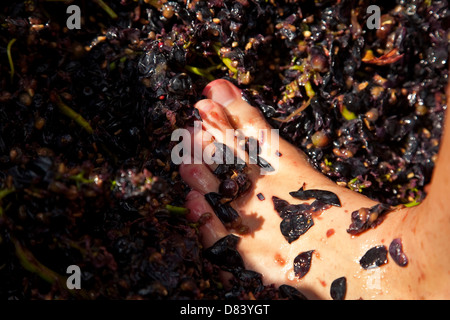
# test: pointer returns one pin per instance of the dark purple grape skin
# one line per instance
(224, 254)
(297, 218)
(374, 257)
(243, 182)
(223, 211)
(294, 209)
(322, 195)
(213, 199)
(263, 164)
(397, 254)
(253, 149)
(279, 204)
(289, 292)
(229, 188)
(252, 146)
(338, 288)
(302, 263)
(226, 213)
(285, 209)
(292, 227)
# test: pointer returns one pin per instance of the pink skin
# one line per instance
(424, 229)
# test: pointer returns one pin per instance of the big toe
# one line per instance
(240, 114)
(248, 120)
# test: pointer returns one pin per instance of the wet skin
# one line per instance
(423, 230)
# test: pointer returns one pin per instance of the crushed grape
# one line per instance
(366, 218)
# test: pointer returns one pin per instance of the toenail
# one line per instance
(222, 91)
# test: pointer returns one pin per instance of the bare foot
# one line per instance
(336, 252)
